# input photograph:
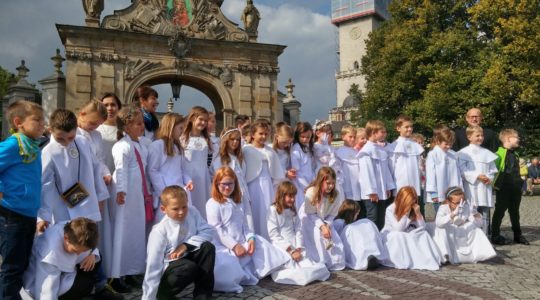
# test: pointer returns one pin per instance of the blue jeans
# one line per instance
(16, 239)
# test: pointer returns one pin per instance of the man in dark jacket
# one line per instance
(474, 117)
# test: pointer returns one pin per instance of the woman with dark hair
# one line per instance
(148, 100)
(108, 129)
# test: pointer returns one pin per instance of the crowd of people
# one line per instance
(117, 198)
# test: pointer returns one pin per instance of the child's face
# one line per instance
(406, 129)
(289, 201)
(211, 123)
(259, 137)
(283, 142)
(476, 138)
(247, 138)
(111, 106)
(72, 248)
(455, 199)
(512, 142)
(64, 138)
(361, 140)
(328, 185)
(150, 104)
(349, 139)
(233, 142)
(177, 131)
(176, 209)
(90, 121)
(200, 123)
(445, 146)
(305, 137)
(135, 128)
(32, 126)
(226, 186)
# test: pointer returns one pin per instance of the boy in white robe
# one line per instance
(179, 250)
(376, 180)
(478, 169)
(63, 261)
(350, 170)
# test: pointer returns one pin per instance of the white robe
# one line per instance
(473, 161)
(60, 167)
(350, 168)
(164, 171)
(442, 172)
(285, 232)
(284, 159)
(230, 223)
(109, 138)
(313, 217)
(304, 165)
(196, 160)
(409, 245)
(263, 174)
(404, 162)
(51, 271)
(240, 171)
(461, 240)
(361, 240)
(375, 175)
(129, 242)
(164, 238)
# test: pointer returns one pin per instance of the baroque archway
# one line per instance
(150, 42)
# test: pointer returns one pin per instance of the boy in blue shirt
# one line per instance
(20, 190)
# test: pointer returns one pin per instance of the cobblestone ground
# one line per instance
(513, 274)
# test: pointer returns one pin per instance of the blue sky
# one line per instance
(27, 32)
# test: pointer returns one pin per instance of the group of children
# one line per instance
(178, 203)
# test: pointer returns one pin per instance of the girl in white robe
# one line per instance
(230, 154)
(409, 245)
(129, 242)
(442, 169)
(458, 232)
(263, 173)
(322, 202)
(282, 143)
(196, 143)
(166, 165)
(302, 159)
(323, 152)
(362, 243)
(285, 232)
(225, 213)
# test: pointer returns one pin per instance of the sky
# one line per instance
(27, 31)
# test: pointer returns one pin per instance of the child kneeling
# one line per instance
(179, 251)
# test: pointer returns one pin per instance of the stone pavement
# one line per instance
(513, 274)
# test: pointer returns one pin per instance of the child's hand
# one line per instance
(121, 198)
(178, 252)
(388, 194)
(291, 174)
(41, 226)
(374, 198)
(189, 186)
(88, 263)
(484, 179)
(107, 179)
(251, 247)
(239, 250)
(296, 255)
(325, 232)
(416, 209)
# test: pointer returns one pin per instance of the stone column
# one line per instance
(54, 88)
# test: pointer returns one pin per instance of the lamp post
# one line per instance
(176, 86)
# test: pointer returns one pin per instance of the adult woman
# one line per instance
(108, 129)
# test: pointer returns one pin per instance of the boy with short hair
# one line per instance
(376, 181)
(179, 250)
(508, 188)
(346, 155)
(63, 261)
(20, 188)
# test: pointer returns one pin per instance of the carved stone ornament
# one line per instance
(89, 56)
(133, 68)
(223, 73)
(93, 8)
(179, 45)
(192, 18)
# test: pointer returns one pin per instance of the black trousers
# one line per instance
(508, 198)
(83, 284)
(375, 211)
(196, 267)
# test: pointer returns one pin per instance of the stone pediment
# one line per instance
(201, 19)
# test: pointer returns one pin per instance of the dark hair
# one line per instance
(240, 119)
(302, 127)
(145, 91)
(112, 95)
(82, 232)
(348, 211)
(63, 119)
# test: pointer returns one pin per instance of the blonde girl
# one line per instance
(282, 143)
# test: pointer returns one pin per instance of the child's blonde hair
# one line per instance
(374, 126)
(453, 190)
(446, 135)
(418, 137)
(94, 106)
(228, 134)
(165, 132)
(22, 109)
(285, 188)
(506, 133)
(348, 211)
(125, 116)
(360, 131)
(283, 130)
(216, 194)
(172, 192)
(348, 129)
(323, 174)
(195, 112)
(472, 129)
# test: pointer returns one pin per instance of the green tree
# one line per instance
(5, 79)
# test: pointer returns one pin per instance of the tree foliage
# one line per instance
(435, 59)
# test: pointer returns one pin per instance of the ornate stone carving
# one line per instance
(89, 56)
(133, 68)
(93, 8)
(251, 18)
(179, 45)
(192, 18)
(258, 69)
(223, 73)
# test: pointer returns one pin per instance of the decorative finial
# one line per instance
(290, 89)
(170, 105)
(23, 70)
(58, 59)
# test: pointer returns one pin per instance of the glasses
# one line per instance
(226, 184)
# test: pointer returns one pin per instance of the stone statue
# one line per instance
(251, 18)
(93, 8)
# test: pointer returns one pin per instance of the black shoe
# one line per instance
(373, 263)
(498, 240)
(521, 240)
(119, 286)
(134, 281)
(107, 293)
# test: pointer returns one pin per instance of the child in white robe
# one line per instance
(322, 242)
(230, 154)
(442, 168)
(350, 167)
(478, 169)
(133, 209)
(263, 173)
(409, 245)
(285, 232)
(256, 256)
(166, 164)
(376, 180)
(458, 232)
(323, 152)
(64, 261)
(282, 143)
(362, 242)
(196, 143)
(302, 159)
(179, 250)
(404, 156)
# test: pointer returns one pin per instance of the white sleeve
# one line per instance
(214, 219)
(492, 171)
(368, 185)
(101, 188)
(49, 191)
(47, 283)
(185, 175)
(155, 256)
(431, 175)
(393, 223)
(205, 232)
(296, 163)
(443, 217)
(274, 231)
(121, 153)
(100, 154)
(153, 167)
(298, 230)
(468, 171)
